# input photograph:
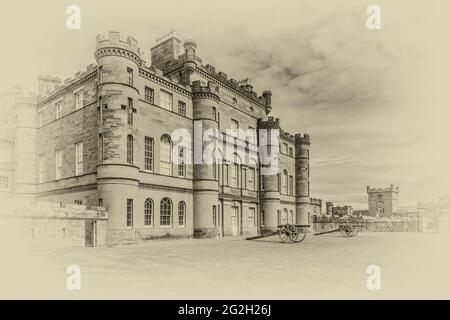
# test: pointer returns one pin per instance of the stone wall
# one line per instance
(47, 224)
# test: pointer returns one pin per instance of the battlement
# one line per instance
(79, 76)
(391, 188)
(270, 123)
(302, 139)
(287, 135)
(113, 40)
(211, 90)
(317, 202)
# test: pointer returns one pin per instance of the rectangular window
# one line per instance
(79, 97)
(182, 108)
(100, 202)
(235, 175)
(4, 182)
(130, 149)
(285, 148)
(79, 158)
(262, 218)
(291, 185)
(41, 167)
(129, 212)
(165, 153)
(214, 216)
(130, 112)
(251, 178)
(149, 95)
(166, 99)
(214, 112)
(148, 154)
(181, 162)
(58, 109)
(244, 179)
(58, 160)
(291, 151)
(78, 202)
(130, 76)
(251, 217)
(234, 124)
(262, 182)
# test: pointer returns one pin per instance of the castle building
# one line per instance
(108, 137)
(383, 202)
(316, 207)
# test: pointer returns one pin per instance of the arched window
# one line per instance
(284, 218)
(181, 214)
(148, 212)
(292, 217)
(130, 149)
(165, 155)
(100, 148)
(165, 212)
(284, 182)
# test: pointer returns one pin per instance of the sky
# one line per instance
(374, 102)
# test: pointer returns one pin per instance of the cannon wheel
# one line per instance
(288, 234)
(347, 230)
(301, 235)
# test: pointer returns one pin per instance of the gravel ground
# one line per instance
(413, 266)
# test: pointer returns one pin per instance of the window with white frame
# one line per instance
(100, 148)
(4, 182)
(181, 162)
(235, 175)
(149, 95)
(79, 158)
(130, 76)
(165, 214)
(41, 168)
(182, 108)
(148, 154)
(291, 185)
(181, 214)
(214, 216)
(166, 100)
(129, 212)
(130, 149)
(284, 182)
(251, 178)
(285, 148)
(79, 99)
(165, 155)
(252, 217)
(58, 109)
(148, 212)
(58, 161)
(130, 112)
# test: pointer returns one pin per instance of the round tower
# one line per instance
(302, 199)
(206, 189)
(189, 63)
(270, 198)
(117, 176)
(25, 156)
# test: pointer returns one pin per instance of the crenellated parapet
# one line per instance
(269, 124)
(302, 139)
(210, 91)
(391, 188)
(113, 45)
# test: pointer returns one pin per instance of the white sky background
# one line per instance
(374, 102)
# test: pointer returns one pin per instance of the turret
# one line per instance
(270, 194)
(189, 63)
(302, 198)
(267, 100)
(118, 71)
(206, 189)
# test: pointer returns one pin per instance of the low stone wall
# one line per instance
(47, 224)
(373, 226)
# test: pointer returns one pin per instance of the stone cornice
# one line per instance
(120, 52)
(165, 83)
(165, 188)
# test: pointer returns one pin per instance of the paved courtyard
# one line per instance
(413, 265)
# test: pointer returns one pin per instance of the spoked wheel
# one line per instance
(347, 230)
(301, 235)
(288, 234)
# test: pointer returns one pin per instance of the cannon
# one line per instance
(288, 233)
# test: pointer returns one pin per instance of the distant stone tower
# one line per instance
(329, 210)
(383, 202)
(25, 156)
(118, 65)
(206, 188)
(302, 198)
